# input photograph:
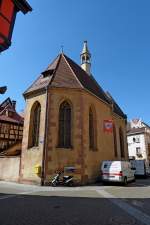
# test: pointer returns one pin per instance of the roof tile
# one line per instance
(64, 72)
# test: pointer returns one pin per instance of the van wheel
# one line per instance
(134, 180)
(125, 181)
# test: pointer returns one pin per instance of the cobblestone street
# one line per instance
(89, 205)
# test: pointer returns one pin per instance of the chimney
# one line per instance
(14, 104)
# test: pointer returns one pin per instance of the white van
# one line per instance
(117, 171)
(141, 167)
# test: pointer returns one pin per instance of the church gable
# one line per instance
(64, 75)
(63, 72)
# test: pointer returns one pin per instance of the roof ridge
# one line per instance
(114, 103)
(71, 69)
(90, 77)
(76, 64)
(32, 84)
(7, 99)
(54, 73)
(98, 85)
(41, 75)
(53, 61)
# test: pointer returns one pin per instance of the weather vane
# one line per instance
(62, 48)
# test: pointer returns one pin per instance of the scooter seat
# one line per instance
(66, 177)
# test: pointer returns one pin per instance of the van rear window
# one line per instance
(105, 165)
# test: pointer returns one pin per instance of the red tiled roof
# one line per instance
(9, 119)
(64, 72)
(138, 130)
(87, 81)
(42, 82)
(7, 106)
(116, 107)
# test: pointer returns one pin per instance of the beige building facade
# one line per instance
(64, 124)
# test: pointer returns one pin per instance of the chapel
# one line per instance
(70, 123)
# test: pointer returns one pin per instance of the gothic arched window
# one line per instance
(64, 135)
(92, 130)
(34, 125)
(121, 143)
(115, 141)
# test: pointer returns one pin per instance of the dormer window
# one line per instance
(48, 73)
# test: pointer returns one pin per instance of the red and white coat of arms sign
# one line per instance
(108, 126)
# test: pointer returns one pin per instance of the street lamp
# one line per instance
(8, 11)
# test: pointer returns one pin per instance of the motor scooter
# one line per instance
(64, 180)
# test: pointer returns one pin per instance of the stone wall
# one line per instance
(32, 157)
(86, 161)
(9, 168)
(58, 158)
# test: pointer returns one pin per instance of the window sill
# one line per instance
(70, 148)
(93, 149)
(33, 148)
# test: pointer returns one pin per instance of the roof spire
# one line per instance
(86, 58)
(62, 49)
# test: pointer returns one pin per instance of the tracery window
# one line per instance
(121, 143)
(64, 135)
(34, 125)
(92, 130)
(115, 141)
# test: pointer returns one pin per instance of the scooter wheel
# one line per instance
(53, 184)
(71, 184)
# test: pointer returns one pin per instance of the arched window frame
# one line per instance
(121, 137)
(34, 126)
(92, 129)
(65, 125)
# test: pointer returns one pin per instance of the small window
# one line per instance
(136, 139)
(105, 166)
(138, 150)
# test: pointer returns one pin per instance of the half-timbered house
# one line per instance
(11, 128)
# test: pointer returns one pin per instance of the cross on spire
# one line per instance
(62, 49)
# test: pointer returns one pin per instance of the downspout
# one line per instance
(43, 173)
(146, 144)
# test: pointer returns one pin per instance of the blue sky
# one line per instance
(118, 35)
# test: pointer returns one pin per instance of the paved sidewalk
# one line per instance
(87, 205)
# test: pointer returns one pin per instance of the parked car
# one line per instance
(141, 167)
(117, 171)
